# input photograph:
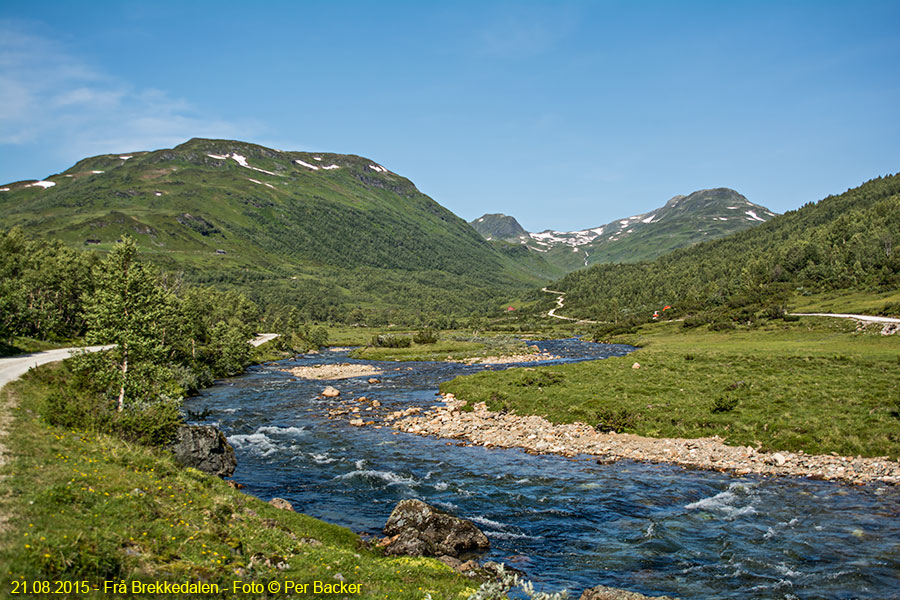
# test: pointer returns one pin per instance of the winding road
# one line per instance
(560, 299)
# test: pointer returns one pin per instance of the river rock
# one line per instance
(601, 592)
(330, 392)
(417, 529)
(205, 448)
(282, 504)
(636, 365)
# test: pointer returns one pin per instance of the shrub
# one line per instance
(693, 321)
(390, 340)
(725, 403)
(890, 309)
(775, 311)
(153, 424)
(426, 336)
(541, 378)
(614, 420)
(150, 423)
(721, 324)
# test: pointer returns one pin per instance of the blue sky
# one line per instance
(564, 114)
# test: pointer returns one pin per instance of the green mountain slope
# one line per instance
(844, 242)
(684, 220)
(317, 229)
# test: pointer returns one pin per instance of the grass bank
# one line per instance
(815, 385)
(90, 507)
(457, 347)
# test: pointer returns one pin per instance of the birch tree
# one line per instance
(129, 308)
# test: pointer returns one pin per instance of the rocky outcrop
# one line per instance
(601, 592)
(417, 529)
(205, 448)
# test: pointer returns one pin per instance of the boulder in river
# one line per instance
(330, 392)
(601, 592)
(205, 448)
(417, 529)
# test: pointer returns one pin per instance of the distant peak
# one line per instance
(497, 226)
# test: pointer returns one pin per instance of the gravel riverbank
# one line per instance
(536, 435)
(338, 371)
(509, 359)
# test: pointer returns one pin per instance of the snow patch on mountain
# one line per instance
(241, 160)
(42, 184)
(261, 183)
(306, 164)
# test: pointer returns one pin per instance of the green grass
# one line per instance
(442, 350)
(359, 336)
(815, 385)
(843, 301)
(455, 347)
(89, 507)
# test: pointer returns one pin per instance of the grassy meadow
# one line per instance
(816, 385)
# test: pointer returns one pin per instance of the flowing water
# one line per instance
(568, 523)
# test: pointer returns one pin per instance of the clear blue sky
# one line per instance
(564, 114)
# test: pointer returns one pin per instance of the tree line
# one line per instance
(169, 338)
(844, 242)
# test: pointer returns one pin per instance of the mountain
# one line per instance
(684, 220)
(498, 226)
(842, 243)
(322, 231)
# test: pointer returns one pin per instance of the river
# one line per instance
(568, 523)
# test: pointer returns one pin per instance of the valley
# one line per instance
(705, 367)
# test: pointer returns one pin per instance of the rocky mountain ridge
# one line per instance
(682, 221)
